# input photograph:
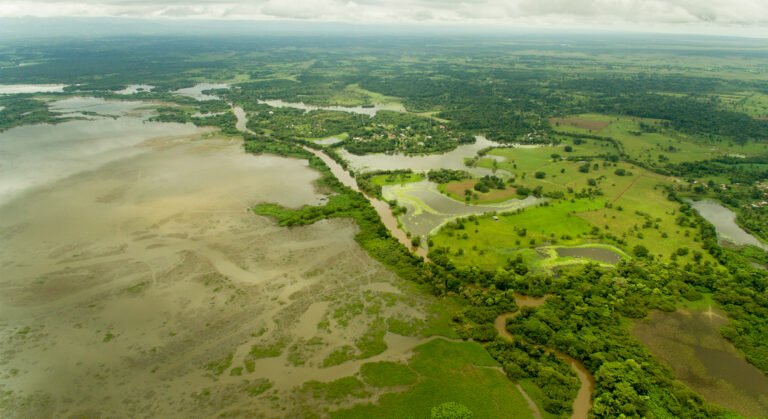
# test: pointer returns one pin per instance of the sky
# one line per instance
(737, 17)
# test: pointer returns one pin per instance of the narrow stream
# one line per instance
(583, 401)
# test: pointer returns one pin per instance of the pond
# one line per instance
(725, 224)
(599, 254)
(690, 343)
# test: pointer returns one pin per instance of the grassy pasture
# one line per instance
(456, 190)
(460, 372)
(633, 209)
(655, 148)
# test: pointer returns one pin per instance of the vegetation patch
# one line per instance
(387, 374)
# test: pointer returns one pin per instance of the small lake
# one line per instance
(428, 208)
(196, 91)
(451, 160)
(363, 110)
(594, 253)
(12, 89)
(691, 345)
(724, 221)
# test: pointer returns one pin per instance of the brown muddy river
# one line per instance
(690, 344)
(141, 286)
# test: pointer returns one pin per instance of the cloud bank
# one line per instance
(594, 13)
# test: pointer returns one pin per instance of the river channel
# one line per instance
(583, 402)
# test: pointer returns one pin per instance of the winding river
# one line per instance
(583, 402)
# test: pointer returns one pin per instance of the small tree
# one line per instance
(640, 251)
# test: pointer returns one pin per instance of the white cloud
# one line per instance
(615, 13)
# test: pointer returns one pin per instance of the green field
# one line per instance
(654, 148)
(460, 372)
(632, 209)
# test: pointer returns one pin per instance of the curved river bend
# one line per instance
(583, 402)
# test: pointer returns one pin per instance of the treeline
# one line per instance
(16, 111)
(689, 115)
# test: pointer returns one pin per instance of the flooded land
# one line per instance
(137, 282)
(11, 89)
(451, 160)
(196, 91)
(362, 110)
(428, 209)
(36, 155)
(690, 343)
(159, 283)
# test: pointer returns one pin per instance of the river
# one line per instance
(583, 401)
(725, 224)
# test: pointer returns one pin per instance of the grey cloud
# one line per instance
(554, 12)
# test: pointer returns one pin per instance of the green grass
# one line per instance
(537, 395)
(496, 241)
(218, 367)
(336, 390)
(449, 372)
(258, 386)
(559, 174)
(675, 147)
(387, 374)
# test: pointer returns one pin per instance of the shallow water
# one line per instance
(691, 345)
(196, 91)
(724, 221)
(33, 156)
(123, 283)
(595, 253)
(370, 110)
(75, 105)
(10, 89)
(450, 160)
(428, 208)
